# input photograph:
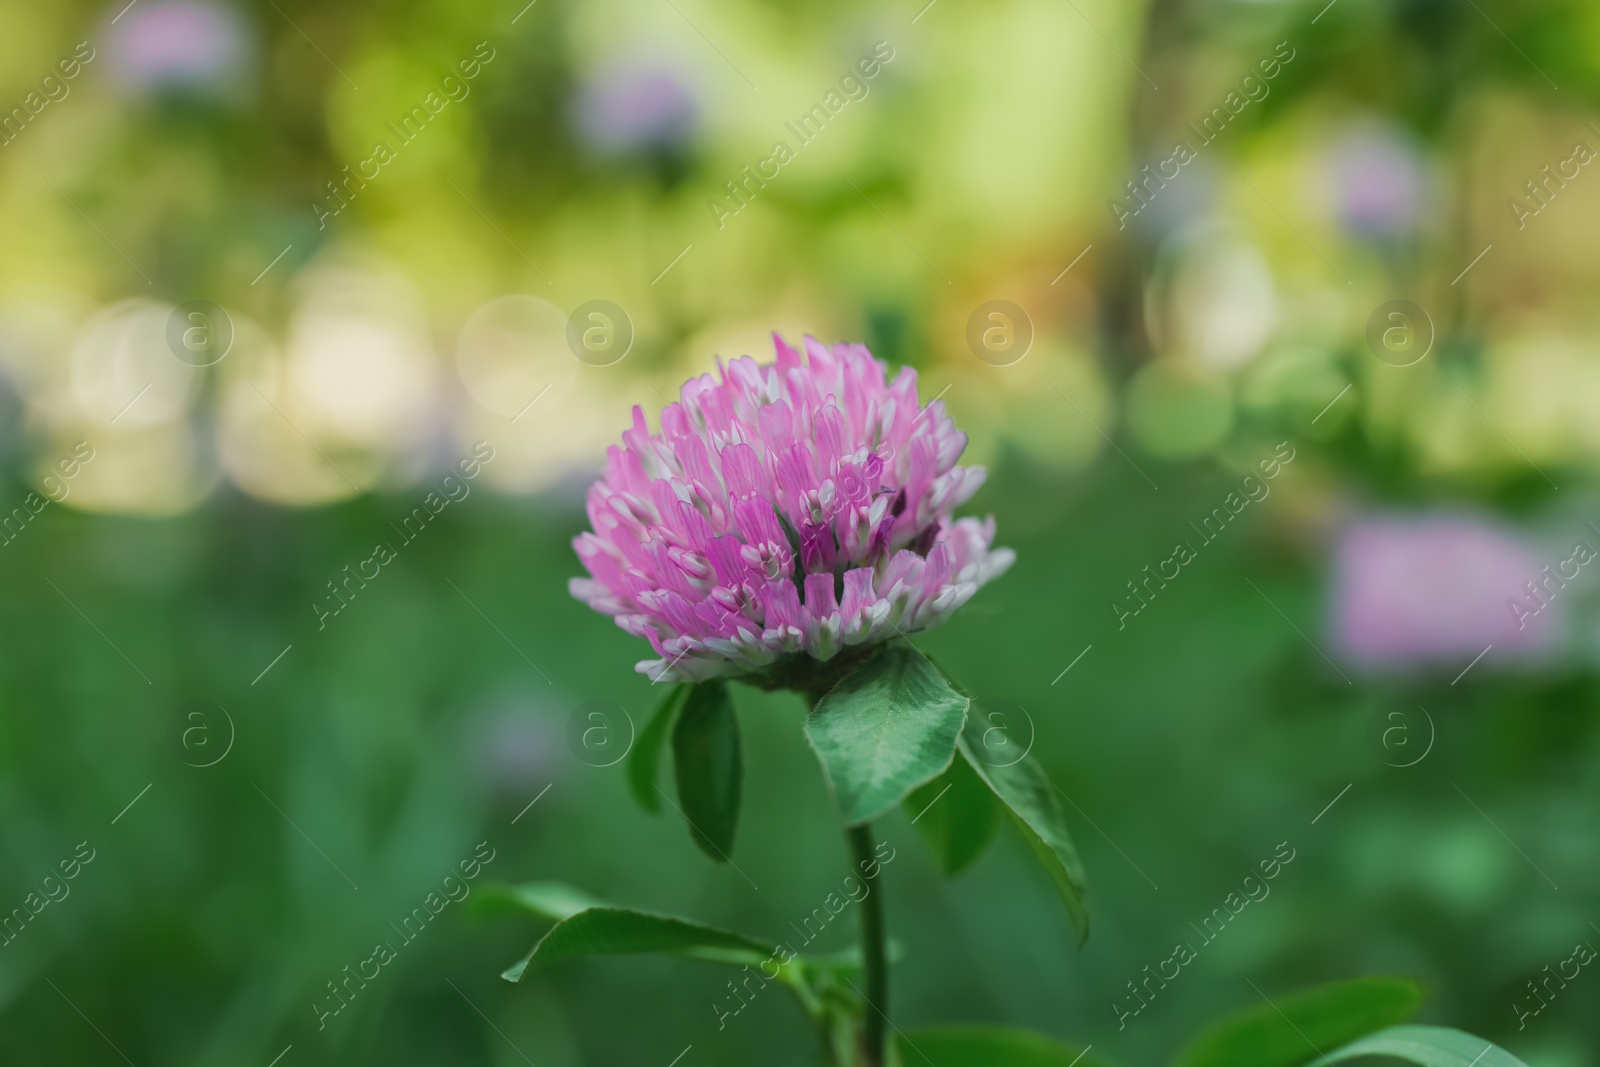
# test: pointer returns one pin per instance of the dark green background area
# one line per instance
(1190, 744)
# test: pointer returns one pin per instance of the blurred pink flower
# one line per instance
(792, 508)
(178, 43)
(512, 740)
(1434, 589)
(1381, 179)
(634, 101)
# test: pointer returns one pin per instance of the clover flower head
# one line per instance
(791, 509)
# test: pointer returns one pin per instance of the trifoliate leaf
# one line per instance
(886, 728)
(646, 754)
(710, 769)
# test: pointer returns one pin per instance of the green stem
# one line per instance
(874, 951)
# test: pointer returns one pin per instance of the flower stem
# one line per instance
(874, 953)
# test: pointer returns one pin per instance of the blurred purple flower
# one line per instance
(1380, 177)
(635, 101)
(178, 44)
(515, 744)
(1434, 589)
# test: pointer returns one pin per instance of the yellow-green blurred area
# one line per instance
(269, 270)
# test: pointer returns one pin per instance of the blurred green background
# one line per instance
(1353, 637)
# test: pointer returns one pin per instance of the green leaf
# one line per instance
(705, 755)
(1291, 1029)
(956, 815)
(987, 1046)
(889, 726)
(613, 931)
(1430, 1046)
(548, 900)
(587, 927)
(646, 754)
(1028, 797)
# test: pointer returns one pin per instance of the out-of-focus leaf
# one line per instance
(606, 930)
(988, 1046)
(548, 900)
(710, 770)
(956, 815)
(1291, 1029)
(889, 726)
(1430, 1046)
(588, 926)
(646, 755)
(1026, 794)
